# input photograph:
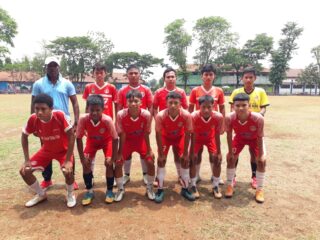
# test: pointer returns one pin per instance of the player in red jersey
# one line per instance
(208, 73)
(101, 134)
(133, 74)
(102, 88)
(57, 139)
(207, 128)
(134, 127)
(248, 129)
(173, 128)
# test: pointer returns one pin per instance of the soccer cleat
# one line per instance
(254, 183)
(221, 182)
(216, 193)
(195, 192)
(119, 195)
(159, 196)
(71, 200)
(75, 185)
(126, 179)
(109, 197)
(145, 179)
(187, 195)
(45, 185)
(87, 198)
(35, 200)
(150, 194)
(260, 196)
(229, 192)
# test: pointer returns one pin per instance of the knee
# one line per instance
(108, 162)
(261, 163)
(216, 161)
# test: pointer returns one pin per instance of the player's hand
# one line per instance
(119, 160)
(35, 134)
(67, 168)
(85, 162)
(161, 158)
(26, 166)
(108, 162)
(150, 154)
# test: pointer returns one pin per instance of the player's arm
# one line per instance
(222, 110)
(147, 139)
(229, 141)
(68, 164)
(115, 143)
(187, 138)
(263, 110)
(31, 105)
(122, 139)
(76, 111)
(192, 142)
(25, 148)
(159, 144)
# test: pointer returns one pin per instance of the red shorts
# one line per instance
(91, 150)
(41, 159)
(238, 145)
(177, 143)
(212, 149)
(134, 146)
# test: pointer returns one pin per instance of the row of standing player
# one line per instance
(208, 74)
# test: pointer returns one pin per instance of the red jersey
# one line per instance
(146, 101)
(52, 133)
(160, 101)
(173, 128)
(107, 91)
(249, 130)
(134, 128)
(205, 130)
(97, 134)
(215, 92)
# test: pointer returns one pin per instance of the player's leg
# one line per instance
(215, 160)
(118, 174)
(107, 150)
(47, 175)
(177, 162)
(88, 176)
(161, 171)
(149, 161)
(198, 165)
(193, 176)
(69, 179)
(253, 169)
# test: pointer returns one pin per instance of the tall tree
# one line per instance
(281, 57)
(316, 54)
(103, 44)
(215, 38)
(310, 76)
(177, 41)
(8, 30)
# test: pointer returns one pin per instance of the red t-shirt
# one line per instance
(52, 133)
(205, 130)
(249, 130)
(160, 101)
(215, 92)
(107, 91)
(146, 100)
(173, 128)
(134, 128)
(97, 134)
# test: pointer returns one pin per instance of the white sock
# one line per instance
(161, 172)
(69, 188)
(178, 167)
(194, 182)
(127, 166)
(143, 166)
(260, 179)
(36, 187)
(198, 171)
(150, 180)
(119, 182)
(215, 181)
(230, 175)
(185, 175)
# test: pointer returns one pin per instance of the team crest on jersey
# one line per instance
(106, 91)
(180, 124)
(93, 91)
(253, 128)
(143, 94)
(102, 130)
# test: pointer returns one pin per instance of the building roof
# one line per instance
(19, 76)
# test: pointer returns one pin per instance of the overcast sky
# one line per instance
(139, 25)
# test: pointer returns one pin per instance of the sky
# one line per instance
(139, 25)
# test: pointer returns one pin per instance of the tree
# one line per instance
(281, 57)
(8, 30)
(310, 76)
(103, 44)
(214, 37)
(316, 54)
(177, 41)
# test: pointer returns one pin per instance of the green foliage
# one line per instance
(8, 30)
(310, 76)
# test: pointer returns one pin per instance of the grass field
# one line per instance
(292, 189)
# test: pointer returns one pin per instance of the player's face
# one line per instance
(248, 79)
(173, 104)
(53, 70)
(241, 107)
(206, 109)
(170, 79)
(43, 111)
(133, 76)
(99, 75)
(95, 112)
(208, 77)
(134, 103)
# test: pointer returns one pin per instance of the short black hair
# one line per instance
(169, 69)
(249, 70)
(95, 100)
(43, 98)
(208, 68)
(99, 67)
(173, 95)
(241, 97)
(132, 66)
(206, 98)
(133, 93)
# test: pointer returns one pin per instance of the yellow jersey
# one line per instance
(258, 98)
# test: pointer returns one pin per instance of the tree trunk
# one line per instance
(315, 89)
(276, 89)
(303, 88)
